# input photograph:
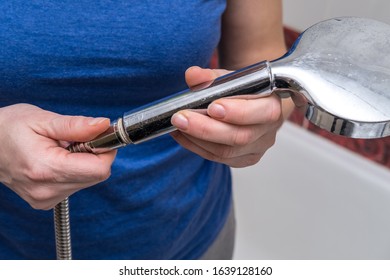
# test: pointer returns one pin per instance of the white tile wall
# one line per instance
(301, 14)
(309, 198)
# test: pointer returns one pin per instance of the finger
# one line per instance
(57, 165)
(227, 151)
(246, 159)
(83, 167)
(242, 111)
(219, 150)
(72, 128)
(54, 177)
(196, 75)
(209, 129)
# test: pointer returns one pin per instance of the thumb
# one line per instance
(196, 75)
(74, 128)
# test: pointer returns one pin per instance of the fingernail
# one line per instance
(217, 111)
(96, 121)
(180, 121)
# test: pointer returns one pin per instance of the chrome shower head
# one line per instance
(338, 72)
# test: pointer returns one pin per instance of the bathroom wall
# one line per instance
(301, 14)
(309, 197)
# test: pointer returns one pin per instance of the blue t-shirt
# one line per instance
(103, 58)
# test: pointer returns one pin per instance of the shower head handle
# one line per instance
(338, 72)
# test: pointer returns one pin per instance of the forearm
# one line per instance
(252, 31)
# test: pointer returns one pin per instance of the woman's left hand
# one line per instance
(235, 131)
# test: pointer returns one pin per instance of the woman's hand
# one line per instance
(33, 160)
(235, 131)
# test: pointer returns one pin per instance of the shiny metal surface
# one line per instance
(62, 230)
(339, 73)
(114, 138)
(154, 119)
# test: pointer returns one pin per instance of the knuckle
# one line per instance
(104, 174)
(243, 137)
(213, 157)
(218, 159)
(274, 111)
(39, 197)
(36, 173)
(272, 140)
(96, 175)
(253, 159)
(244, 113)
(204, 131)
(65, 125)
(248, 160)
(269, 140)
(224, 152)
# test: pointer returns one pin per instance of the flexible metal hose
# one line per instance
(62, 230)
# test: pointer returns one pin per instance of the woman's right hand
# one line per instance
(34, 162)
